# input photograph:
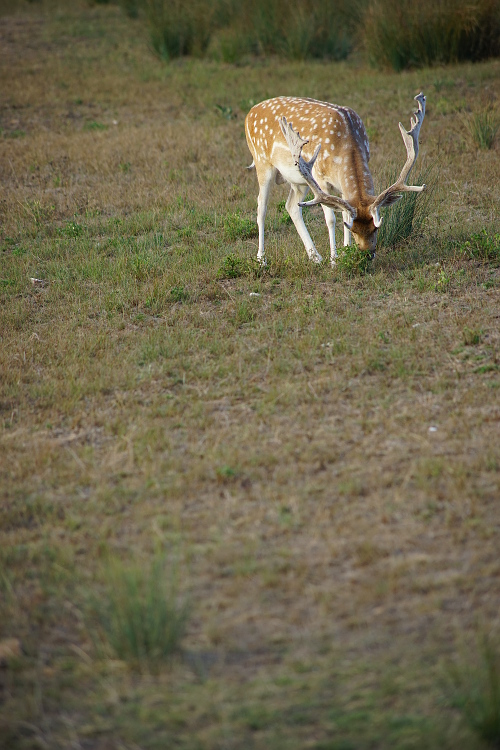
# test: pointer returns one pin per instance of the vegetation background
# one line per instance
(245, 508)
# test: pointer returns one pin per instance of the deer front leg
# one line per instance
(330, 223)
(347, 232)
(265, 181)
(297, 193)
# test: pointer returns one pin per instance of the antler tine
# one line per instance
(296, 144)
(410, 138)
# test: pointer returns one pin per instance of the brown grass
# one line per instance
(332, 545)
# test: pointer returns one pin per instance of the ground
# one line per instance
(316, 455)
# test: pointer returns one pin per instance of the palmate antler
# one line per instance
(410, 138)
(296, 144)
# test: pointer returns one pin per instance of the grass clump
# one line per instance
(139, 617)
(238, 227)
(232, 267)
(398, 33)
(179, 294)
(482, 246)
(71, 229)
(289, 29)
(472, 336)
(407, 217)
(352, 261)
(229, 30)
(475, 691)
(94, 125)
(178, 28)
(482, 127)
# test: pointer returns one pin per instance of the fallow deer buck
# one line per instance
(334, 141)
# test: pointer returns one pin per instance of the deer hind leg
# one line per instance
(265, 181)
(347, 232)
(298, 193)
(330, 223)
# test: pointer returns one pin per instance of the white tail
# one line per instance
(321, 146)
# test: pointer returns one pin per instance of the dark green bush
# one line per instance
(403, 33)
(396, 33)
(178, 28)
(320, 29)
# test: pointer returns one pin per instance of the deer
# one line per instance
(323, 147)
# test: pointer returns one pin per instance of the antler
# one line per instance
(296, 144)
(410, 138)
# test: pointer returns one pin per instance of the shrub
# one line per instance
(139, 617)
(403, 33)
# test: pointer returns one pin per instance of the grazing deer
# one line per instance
(335, 142)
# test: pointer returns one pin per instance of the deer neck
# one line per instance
(354, 177)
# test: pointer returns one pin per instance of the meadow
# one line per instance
(301, 462)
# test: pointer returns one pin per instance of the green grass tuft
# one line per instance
(406, 218)
(352, 261)
(179, 294)
(238, 227)
(138, 617)
(482, 246)
(482, 127)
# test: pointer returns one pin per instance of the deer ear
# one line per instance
(377, 218)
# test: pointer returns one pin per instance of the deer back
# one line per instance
(342, 162)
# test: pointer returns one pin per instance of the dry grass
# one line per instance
(320, 452)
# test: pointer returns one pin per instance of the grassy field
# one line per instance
(314, 457)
